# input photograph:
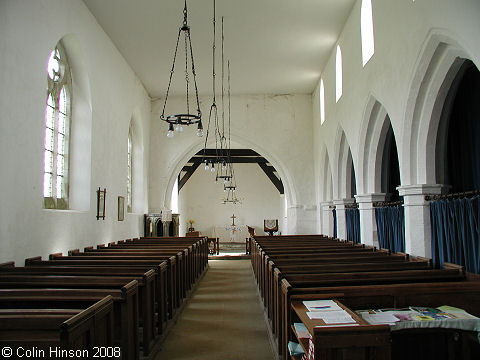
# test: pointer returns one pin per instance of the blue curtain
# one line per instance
(352, 217)
(334, 211)
(456, 232)
(391, 227)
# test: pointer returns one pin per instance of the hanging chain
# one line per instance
(223, 76)
(171, 75)
(187, 79)
(188, 43)
(185, 15)
(213, 50)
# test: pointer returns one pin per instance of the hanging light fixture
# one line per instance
(177, 121)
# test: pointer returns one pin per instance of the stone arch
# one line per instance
(326, 184)
(345, 166)
(325, 214)
(374, 134)
(81, 126)
(438, 64)
(182, 159)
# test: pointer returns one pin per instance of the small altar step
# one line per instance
(232, 247)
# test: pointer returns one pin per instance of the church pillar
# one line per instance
(327, 218)
(417, 217)
(368, 224)
(341, 217)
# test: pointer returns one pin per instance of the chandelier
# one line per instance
(177, 121)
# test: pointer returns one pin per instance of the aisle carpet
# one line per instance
(223, 320)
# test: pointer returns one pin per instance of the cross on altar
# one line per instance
(233, 219)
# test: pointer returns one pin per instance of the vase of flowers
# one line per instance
(191, 228)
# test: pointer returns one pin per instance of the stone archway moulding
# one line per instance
(374, 131)
(435, 70)
(183, 158)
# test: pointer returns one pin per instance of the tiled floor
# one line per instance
(223, 320)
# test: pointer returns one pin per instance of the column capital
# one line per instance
(325, 206)
(343, 201)
(370, 198)
(422, 189)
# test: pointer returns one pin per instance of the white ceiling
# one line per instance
(274, 46)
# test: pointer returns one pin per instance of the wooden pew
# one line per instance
(125, 302)
(157, 265)
(185, 261)
(63, 328)
(185, 276)
(280, 254)
(156, 282)
(145, 286)
(464, 294)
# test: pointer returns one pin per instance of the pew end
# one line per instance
(8, 264)
(32, 260)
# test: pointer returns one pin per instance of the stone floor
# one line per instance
(223, 320)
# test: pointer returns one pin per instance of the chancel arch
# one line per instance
(271, 172)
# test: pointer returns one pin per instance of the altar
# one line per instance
(231, 233)
(235, 234)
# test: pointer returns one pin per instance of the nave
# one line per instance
(223, 319)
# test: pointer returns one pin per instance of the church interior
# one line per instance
(331, 145)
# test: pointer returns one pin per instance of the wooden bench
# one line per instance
(125, 305)
(465, 295)
(73, 329)
(268, 257)
(157, 265)
(146, 306)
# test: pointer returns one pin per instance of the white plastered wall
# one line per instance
(278, 127)
(407, 34)
(108, 94)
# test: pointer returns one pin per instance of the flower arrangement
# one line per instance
(191, 222)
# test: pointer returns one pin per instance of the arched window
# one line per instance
(129, 170)
(366, 22)
(339, 74)
(322, 102)
(57, 130)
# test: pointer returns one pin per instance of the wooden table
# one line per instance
(341, 341)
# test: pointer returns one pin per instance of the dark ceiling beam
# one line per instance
(233, 159)
(187, 176)
(233, 152)
(273, 178)
(188, 168)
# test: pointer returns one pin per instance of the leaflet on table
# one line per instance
(380, 318)
(331, 317)
(321, 305)
(391, 316)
